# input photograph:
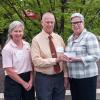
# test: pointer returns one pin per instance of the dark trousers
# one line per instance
(50, 87)
(83, 89)
(14, 91)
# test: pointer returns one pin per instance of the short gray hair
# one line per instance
(77, 15)
(47, 14)
(15, 24)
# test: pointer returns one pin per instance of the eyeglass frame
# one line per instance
(77, 22)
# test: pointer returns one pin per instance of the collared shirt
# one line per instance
(86, 47)
(18, 59)
(41, 54)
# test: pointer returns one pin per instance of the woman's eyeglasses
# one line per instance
(78, 23)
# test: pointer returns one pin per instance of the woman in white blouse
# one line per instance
(16, 59)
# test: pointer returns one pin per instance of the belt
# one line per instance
(52, 75)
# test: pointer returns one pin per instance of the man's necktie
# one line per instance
(54, 54)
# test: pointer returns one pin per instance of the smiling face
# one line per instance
(48, 22)
(77, 25)
(17, 33)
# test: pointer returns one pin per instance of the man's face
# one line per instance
(77, 25)
(48, 23)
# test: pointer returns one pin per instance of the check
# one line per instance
(70, 54)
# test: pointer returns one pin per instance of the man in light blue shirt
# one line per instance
(83, 70)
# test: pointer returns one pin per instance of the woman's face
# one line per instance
(77, 25)
(17, 33)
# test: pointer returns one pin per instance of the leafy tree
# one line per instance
(62, 9)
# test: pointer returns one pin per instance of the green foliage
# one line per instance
(14, 9)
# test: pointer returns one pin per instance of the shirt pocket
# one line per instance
(81, 49)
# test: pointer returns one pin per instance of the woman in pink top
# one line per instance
(17, 65)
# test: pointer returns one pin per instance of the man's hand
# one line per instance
(62, 57)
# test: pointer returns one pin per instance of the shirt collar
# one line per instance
(14, 45)
(80, 37)
(46, 34)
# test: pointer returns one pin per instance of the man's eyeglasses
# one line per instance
(78, 23)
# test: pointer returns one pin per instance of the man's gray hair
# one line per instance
(77, 15)
(47, 14)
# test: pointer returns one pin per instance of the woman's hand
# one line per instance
(74, 59)
(30, 84)
(26, 86)
(66, 82)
